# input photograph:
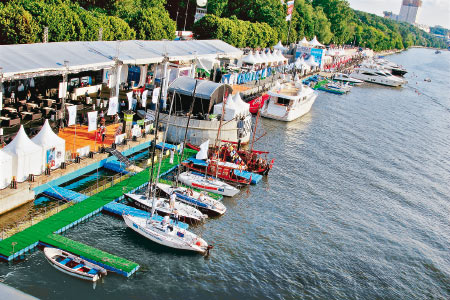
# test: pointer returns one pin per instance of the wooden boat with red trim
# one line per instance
(223, 170)
(199, 181)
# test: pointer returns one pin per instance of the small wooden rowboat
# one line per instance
(73, 265)
(208, 183)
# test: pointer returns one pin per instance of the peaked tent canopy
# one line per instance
(250, 59)
(315, 43)
(6, 167)
(243, 107)
(229, 111)
(264, 57)
(279, 46)
(310, 61)
(53, 147)
(26, 156)
(258, 58)
(304, 42)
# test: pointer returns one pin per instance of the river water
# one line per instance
(356, 207)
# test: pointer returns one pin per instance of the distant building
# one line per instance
(409, 12)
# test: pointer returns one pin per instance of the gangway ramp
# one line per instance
(64, 194)
(106, 260)
(120, 157)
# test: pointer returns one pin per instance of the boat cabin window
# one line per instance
(366, 73)
(381, 74)
(283, 101)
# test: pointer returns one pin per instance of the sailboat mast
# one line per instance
(187, 126)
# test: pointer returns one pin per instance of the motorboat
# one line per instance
(377, 76)
(393, 68)
(288, 101)
(334, 88)
(167, 234)
(185, 212)
(346, 78)
(201, 201)
(73, 265)
(207, 183)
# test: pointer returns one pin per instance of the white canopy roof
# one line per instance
(315, 43)
(280, 56)
(47, 138)
(250, 59)
(259, 58)
(301, 64)
(264, 57)
(279, 46)
(230, 109)
(40, 59)
(243, 107)
(6, 167)
(27, 156)
(270, 57)
(206, 63)
(304, 41)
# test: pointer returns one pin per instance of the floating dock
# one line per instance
(25, 241)
(64, 194)
(104, 259)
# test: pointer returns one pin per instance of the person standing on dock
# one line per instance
(173, 197)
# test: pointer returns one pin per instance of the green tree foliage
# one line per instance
(153, 24)
(339, 14)
(17, 25)
(236, 32)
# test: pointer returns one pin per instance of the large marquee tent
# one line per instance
(6, 167)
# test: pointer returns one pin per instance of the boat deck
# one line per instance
(25, 241)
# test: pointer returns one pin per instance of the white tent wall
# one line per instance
(6, 167)
(26, 156)
(53, 147)
(230, 109)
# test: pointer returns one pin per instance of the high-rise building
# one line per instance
(409, 12)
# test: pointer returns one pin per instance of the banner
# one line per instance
(155, 95)
(203, 153)
(144, 98)
(72, 110)
(150, 115)
(92, 121)
(113, 106)
(51, 157)
(62, 90)
(290, 9)
(1, 100)
(130, 99)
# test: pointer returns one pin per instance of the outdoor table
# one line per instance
(26, 115)
(11, 109)
(32, 105)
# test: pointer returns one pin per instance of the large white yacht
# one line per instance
(288, 101)
(378, 76)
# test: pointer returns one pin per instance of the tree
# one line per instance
(153, 24)
(17, 26)
(339, 14)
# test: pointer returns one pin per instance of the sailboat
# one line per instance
(166, 232)
(185, 212)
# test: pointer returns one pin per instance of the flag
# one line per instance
(144, 98)
(72, 110)
(1, 100)
(203, 153)
(290, 9)
(113, 106)
(130, 99)
(62, 91)
(92, 119)
(155, 95)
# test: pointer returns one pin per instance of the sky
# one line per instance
(433, 12)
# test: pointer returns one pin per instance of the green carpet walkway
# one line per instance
(26, 240)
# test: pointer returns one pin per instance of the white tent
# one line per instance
(242, 107)
(53, 147)
(207, 63)
(280, 56)
(259, 58)
(264, 57)
(6, 167)
(230, 109)
(271, 58)
(250, 59)
(279, 46)
(304, 42)
(26, 156)
(315, 43)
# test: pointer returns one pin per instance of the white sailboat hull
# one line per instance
(150, 232)
(213, 185)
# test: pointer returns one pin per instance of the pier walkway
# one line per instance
(25, 241)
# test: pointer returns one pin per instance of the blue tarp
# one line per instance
(166, 146)
(197, 162)
(255, 177)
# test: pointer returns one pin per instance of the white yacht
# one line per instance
(346, 78)
(288, 101)
(393, 68)
(378, 76)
